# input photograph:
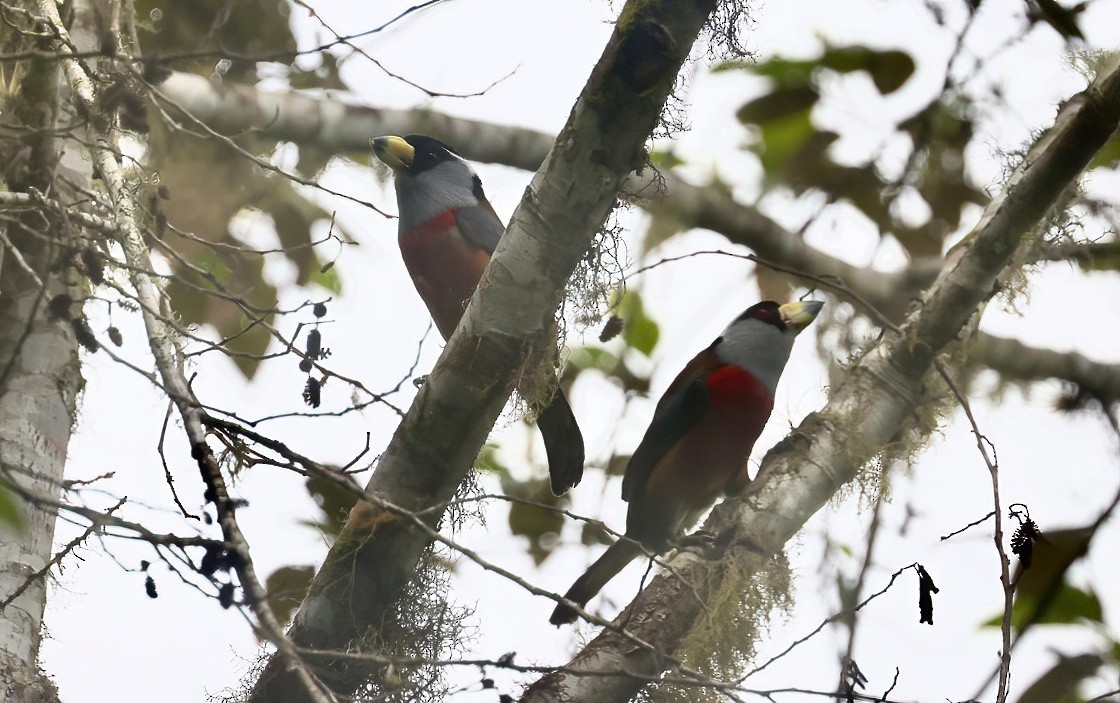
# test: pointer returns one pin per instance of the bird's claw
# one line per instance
(700, 541)
(420, 380)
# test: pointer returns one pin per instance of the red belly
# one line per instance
(444, 267)
(713, 454)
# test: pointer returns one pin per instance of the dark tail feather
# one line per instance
(563, 442)
(604, 569)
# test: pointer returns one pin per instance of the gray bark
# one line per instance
(39, 371)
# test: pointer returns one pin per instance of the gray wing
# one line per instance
(480, 226)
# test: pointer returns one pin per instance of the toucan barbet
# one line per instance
(697, 445)
(447, 232)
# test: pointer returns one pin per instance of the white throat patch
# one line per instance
(448, 185)
(757, 347)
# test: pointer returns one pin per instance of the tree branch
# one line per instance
(865, 414)
(1016, 361)
(336, 126)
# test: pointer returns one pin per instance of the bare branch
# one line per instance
(1015, 361)
(991, 461)
(337, 126)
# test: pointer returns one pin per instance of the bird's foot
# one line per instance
(420, 380)
(700, 542)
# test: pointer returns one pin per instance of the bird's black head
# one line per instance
(766, 311)
(428, 152)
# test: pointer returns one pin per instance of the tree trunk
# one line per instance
(39, 367)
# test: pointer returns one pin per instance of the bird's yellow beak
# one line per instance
(800, 314)
(394, 151)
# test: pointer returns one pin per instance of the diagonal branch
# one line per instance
(501, 332)
(865, 414)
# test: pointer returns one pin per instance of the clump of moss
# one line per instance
(754, 589)
(425, 625)
(598, 274)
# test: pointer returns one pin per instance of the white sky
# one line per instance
(108, 641)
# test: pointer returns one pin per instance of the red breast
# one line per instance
(444, 266)
(734, 390)
(712, 456)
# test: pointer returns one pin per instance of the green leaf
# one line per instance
(781, 139)
(540, 525)
(888, 69)
(782, 102)
(11, 514)
(488, 461)
(327, 279)
(787, 73)
(598, 359)
(1071, 605)
(313, 159)
(582, 359)
(665, 159)
(859, 185)
(1068, 606)
(642, 334)
(286, 587)
(592, 533)
(1108, 156)
(334, 500)
(639, 331)
(1060, 683)
(941, 133)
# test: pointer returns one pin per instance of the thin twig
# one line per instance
(983, 445)
(70, 546)
(972, 524)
